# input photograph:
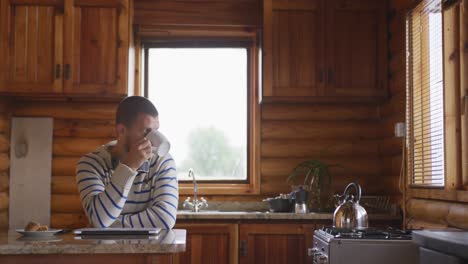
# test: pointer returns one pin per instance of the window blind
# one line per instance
(425, 96)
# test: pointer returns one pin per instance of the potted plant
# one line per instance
(317, 180)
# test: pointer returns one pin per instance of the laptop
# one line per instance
(110, 231)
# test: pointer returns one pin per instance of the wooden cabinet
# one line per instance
(209, 243)
(96, 40)
(317, 48)
(275, 243)
(31, 46)
(294, 54)
(66, 47)
(356, 48)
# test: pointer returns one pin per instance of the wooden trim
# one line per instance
(293, 6)
(451, 68)
(267, 52)
(252, 185)
(138, 87)
(220, 188)
(58, 48)
(368, 100)
(167, 31)
(57, 3)
(464, 89)
(100, 3)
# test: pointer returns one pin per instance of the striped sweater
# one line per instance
(113, 195)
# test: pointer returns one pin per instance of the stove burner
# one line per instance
(368, 233)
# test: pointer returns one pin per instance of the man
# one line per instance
(123, 183)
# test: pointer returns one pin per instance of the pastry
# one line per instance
(32, 226)
(43, 228)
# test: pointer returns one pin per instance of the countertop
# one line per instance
(168, 241)
(246, 215)
(450, 242)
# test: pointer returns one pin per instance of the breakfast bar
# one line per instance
(163, 248)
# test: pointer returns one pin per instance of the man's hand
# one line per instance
(138, 154)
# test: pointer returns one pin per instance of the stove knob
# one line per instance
(322, 259)
(313, 251)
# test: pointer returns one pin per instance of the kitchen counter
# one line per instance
(246, 215)
(227, 215)
(449, 242)
(167, 242)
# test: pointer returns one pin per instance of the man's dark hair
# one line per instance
(130, 107)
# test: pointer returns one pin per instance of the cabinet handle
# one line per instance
(243, 248)
(321, 75)
(465, 106)
(57, 71)
(67, 71)
(330, 75)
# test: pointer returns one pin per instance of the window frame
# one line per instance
(453, 190)
(201, 37)
(409, 99)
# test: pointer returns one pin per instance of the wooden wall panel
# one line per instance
(198, 12)
(4, 162)
(347, 135)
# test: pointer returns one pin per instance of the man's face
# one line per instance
(140, 127)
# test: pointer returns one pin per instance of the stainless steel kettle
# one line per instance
(349, 214)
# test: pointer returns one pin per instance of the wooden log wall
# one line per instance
(4, 163)
(425, 208)
(348, 135)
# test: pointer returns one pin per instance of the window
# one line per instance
(201, 90)
(425, 95)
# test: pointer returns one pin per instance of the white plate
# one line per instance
(47, 233)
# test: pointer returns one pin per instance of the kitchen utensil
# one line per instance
(281, 203)
(300, 206)
(349, 214)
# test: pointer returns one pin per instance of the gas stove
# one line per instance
(366, 245)
(365, 233)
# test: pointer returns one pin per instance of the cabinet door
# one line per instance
(209, 243)
(356, 48)
(293, 48)
(31, 46)
(275, 243)
(96, 47)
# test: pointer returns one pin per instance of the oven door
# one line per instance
(366, 251)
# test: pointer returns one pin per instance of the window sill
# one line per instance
(219, 189)
(439, 194)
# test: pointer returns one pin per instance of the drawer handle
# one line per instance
(57, 71)
(67, 72)
(243, 248)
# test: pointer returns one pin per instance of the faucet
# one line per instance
(195, 206)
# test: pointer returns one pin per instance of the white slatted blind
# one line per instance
(425, 96)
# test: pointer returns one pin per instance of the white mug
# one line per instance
(160, 143)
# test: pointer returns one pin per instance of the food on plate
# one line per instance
(35, 226)
(43, 228)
